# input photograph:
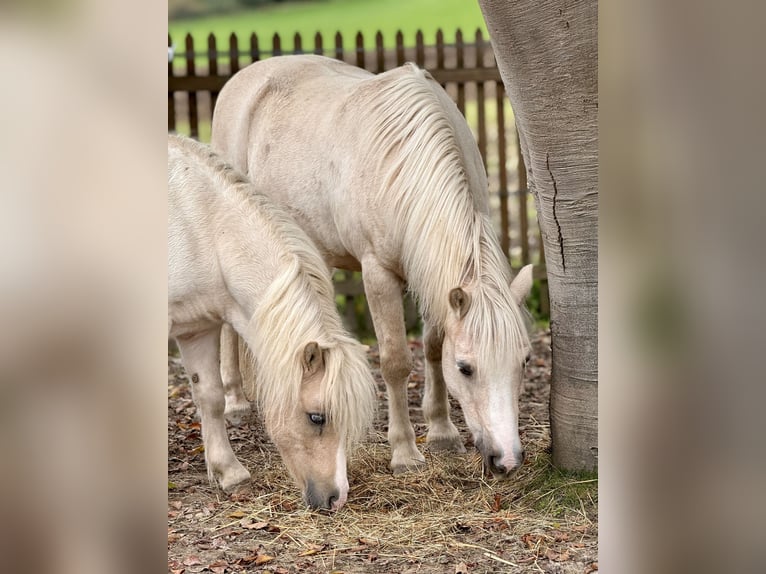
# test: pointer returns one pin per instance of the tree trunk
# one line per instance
(547, 52)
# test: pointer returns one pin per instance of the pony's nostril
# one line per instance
(332, 501)
(497, 466)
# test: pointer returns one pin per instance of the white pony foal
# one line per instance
(235, 258)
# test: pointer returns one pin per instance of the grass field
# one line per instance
(346, 16)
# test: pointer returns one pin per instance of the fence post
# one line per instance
(379, 52)
(420, 51)
(399, 48)
(338, 46)
(255, 53)
(212, 67)
(192, 97)
(297, 44)
(460, 64)
(276, 45)
(171, 95)
(233, 54)
(439, 49)
(318, 44)
(359, 50)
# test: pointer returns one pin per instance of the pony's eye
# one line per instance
(317, 419)
(465, 369)
(526, 359)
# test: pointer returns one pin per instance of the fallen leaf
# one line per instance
(172, 485)
(263, 559)
(192, 560)
(592, 567)
(250, 525)
(461, 568)
(236, 514)
(219, 566)
(496, 503)
(369, 541)
(556, 556)
(177, 504)
(197, 449)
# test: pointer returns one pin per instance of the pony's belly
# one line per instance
(347, 262)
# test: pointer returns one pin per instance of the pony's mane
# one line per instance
(297, 308)
(424, 178)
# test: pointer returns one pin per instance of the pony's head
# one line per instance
(332, 409)
(483, 355)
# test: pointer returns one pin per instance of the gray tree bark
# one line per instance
(547, 53)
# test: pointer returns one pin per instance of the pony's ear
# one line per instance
(521, 284)
(312, 358)
(459, 300)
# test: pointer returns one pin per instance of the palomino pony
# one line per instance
(383, 173)
(234, 258)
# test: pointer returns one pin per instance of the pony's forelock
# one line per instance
(299, 308)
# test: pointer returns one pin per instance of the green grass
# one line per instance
(330, 16)
(556, 493)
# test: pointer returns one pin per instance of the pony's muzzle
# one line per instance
(493, 464)
(321, 499)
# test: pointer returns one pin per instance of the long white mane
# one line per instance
(439, 222)
(297, 308)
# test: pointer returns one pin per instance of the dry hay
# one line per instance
(449, 508)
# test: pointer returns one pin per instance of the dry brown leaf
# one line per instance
(237, 514)
(557, 556)
(250, 525)
(369, 541)
(461, 568)
(192, 560)
(263, 559)
(496, 502)
(219, 566)
(592, 567)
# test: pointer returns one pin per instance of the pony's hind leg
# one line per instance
(384, 297)
(200, 357)
(442, 434)
(237, 408)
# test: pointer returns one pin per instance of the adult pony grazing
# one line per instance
(235, 258)
(384, 175)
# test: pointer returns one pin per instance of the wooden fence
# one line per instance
(467, 71)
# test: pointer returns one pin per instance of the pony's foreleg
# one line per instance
(442, 434)
(200, 357)
(237, 408)
(384, 297)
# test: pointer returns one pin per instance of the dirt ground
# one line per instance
(448, 518)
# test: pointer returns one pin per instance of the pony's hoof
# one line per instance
(235, 479)
(446, 444)
(238, 414)
(413, 466)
